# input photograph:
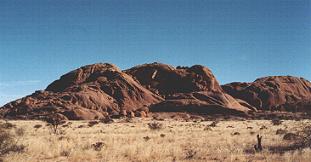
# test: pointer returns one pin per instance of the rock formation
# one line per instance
(166, 80)
(100, 90)
(203, 103)
(187, 89)
(90, 92)
(285, 93)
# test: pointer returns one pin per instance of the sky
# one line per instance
(239, 40)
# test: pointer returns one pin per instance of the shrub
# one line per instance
(236, 133)
(106, 120)
(263, 127)
(306, 133)
(37, 126)
(146, 138)
(190, 153)
(301, 140)
(276, 121)
(291, 136)
(20, 132)
(7, 125)
(98, 146)
(252, 132)
(8, 143)
(54, 123)
(128, 120)
(155, 125)
(208, 128)
(280, 131)
(92, 123)
(65, 153)
(214, 124)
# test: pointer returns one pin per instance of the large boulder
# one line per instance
(273, 93)
(89, 92)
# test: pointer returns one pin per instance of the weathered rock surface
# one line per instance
(187, 89)
(89, 92)
(100, 90)
(285, 93)
(203, 102)
(166, 80)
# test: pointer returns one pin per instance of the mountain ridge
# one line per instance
(99, 90)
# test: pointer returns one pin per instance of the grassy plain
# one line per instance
(174, 141)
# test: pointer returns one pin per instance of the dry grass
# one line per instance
(176, 141)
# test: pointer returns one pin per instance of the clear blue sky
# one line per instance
(239, 40)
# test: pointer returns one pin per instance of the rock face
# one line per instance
(100, 90)
(203, 102)
(187, 89)
(274, 93)
(166, 80)
(90, 92)
(127, 93)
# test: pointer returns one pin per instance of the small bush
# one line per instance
(276, 121)
(155, 125)
(190, 153)
(146, 138)
(92, 123)
(291, 136)
(280, 131)
(81, 126)
(8, 143)
(301, 140)
(54, 122)
(65, 153)
(98, 146)
(107, 120)
(65, 125)
(7, 125)
(263, 127)
(128, 120)
(235, 133)
(20, 132)
(214, 124)
(209, 127)
(37, 126)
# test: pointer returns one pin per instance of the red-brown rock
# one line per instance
(90, 92)
(274, 93)
(100, 90)
(166, 80)
(190, 89)
(202, 102)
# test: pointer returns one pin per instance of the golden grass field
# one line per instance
(134, 141)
